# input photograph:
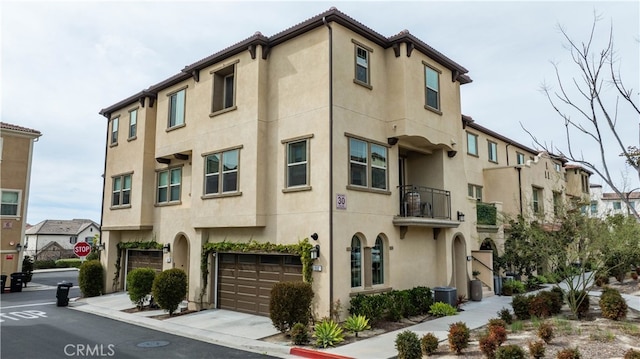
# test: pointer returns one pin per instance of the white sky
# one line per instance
(62, 62)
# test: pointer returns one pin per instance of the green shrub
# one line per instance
(328, 333)
(458, 337)
(408, 345)
(520, 304)
(612, 304)
(299, 334)
(69, 263)
(541, 304)
(421, 298)
(632, 354)
(537, 349)
(545, 332)
(139, 284)
(44, 264)
(400, 305)
(568, 353)
(602, 278)
(488, 345)
(290, 303)
(371, 306)
(90, 278)
(94, 254)
(498, 330)
(557, 300)
(505, 314)
(440, 309)
(429, 344)
(356, 324)
(169, 289)
(581, 301)
(510, 352)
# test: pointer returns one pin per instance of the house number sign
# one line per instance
(341, 201)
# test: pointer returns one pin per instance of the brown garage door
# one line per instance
(245, 280)
(144, 259)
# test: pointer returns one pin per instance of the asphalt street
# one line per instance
(33, 326)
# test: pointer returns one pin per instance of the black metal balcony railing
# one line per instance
(420, 201)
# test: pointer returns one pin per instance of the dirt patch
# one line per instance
(159, 316)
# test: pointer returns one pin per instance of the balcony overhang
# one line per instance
(180, 156)
(436, 223)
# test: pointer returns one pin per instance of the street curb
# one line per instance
(48, 270)
(315, 354)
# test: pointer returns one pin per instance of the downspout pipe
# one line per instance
(104, 174)
(519, 186)
(324, 20)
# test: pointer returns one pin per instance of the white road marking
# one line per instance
(27, 305)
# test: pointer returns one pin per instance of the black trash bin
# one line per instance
(16, 281)
(62, 293)
(3, 282)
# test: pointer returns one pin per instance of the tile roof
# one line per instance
(63, 227)
(8, 126)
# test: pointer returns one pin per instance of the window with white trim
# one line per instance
(520, 158)
(367, 164)
(362, 65)
(224, 88)
(121, 191)
(114, 130)
(492, 151)
(472, 144)
(537, 200)
(133, 123)
(474, 191)
(432, 91)
(297, 163)
(176, 108)
(221, 172)
(10, 203)
(169, 184)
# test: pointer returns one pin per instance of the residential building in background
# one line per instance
(54, 239)
(610, 203)
(326, 131)
(16, 152)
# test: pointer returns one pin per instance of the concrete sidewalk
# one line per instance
(244, 331)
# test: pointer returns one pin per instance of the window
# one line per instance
(356, 264)
(585, 183)
(297, 163)
(432, 79)
(616, 204)
(224, 88)
(362, 65)
(474, 191)
(176, 108)
(121, 194)
(114, 131)
(73, 239)
(472, 144)
(594, 207)
(557, 203)
(557, 166)
(10, 203)
(367, 159)
(377, 263)
(133, 123)
(520, 158)
(221, 172)
(169, 185)
(493, 151)
(537, 196)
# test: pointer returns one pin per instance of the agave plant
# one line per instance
(357, 323)
(328, 333)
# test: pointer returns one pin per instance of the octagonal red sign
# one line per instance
(82, 249)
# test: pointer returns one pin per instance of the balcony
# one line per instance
(424, 207)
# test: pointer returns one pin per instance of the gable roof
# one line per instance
(250, 43)
(19, 129)
(61, 227)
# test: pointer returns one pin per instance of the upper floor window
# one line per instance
(616, 204)
(472, 144)
(362, 65)
(221, 172)
(297, 163)
(121, 193)
(493, 151)
(594, 207)
(367, 164)
(474, 191)
(585, 183)
(133, 123)
(224, 88)
(169, 182)
(432, 82)
(557, 166)
(10, 203)
(356, 262)
(537, 197)
(557, 203)
(520, 158)
(176, 108)
(377, 262)
(114, 130)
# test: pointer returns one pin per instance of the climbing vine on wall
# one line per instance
(302, 248)
(122, 246)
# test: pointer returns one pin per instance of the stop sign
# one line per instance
(82, 249)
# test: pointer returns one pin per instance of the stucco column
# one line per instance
(108, 259)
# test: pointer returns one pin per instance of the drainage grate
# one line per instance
(153, 344)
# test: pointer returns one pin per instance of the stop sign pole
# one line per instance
(82, 249)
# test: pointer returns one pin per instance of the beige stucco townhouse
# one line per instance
(327, 131)
(16, 152)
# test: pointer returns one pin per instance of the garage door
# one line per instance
(144, 259)
(245, 280)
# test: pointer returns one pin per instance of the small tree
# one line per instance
(170, 288)
(140, 284)
(290, 303)
(91, 278)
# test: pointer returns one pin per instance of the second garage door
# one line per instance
(245, 280)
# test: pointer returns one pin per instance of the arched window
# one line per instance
(356, 262)
(377, 262)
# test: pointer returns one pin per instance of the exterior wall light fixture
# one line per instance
(315, 252)
(460, 216)
(166, 248)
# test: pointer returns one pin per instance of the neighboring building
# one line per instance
(16, 152)
(610, 203)
(326, 130)
(54, 239)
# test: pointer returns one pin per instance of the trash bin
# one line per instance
(3, 281)
(16, 281)
(445, 295)
(497, 285)
(476, 290)
(62, 293)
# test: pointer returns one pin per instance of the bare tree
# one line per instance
(601, 95)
